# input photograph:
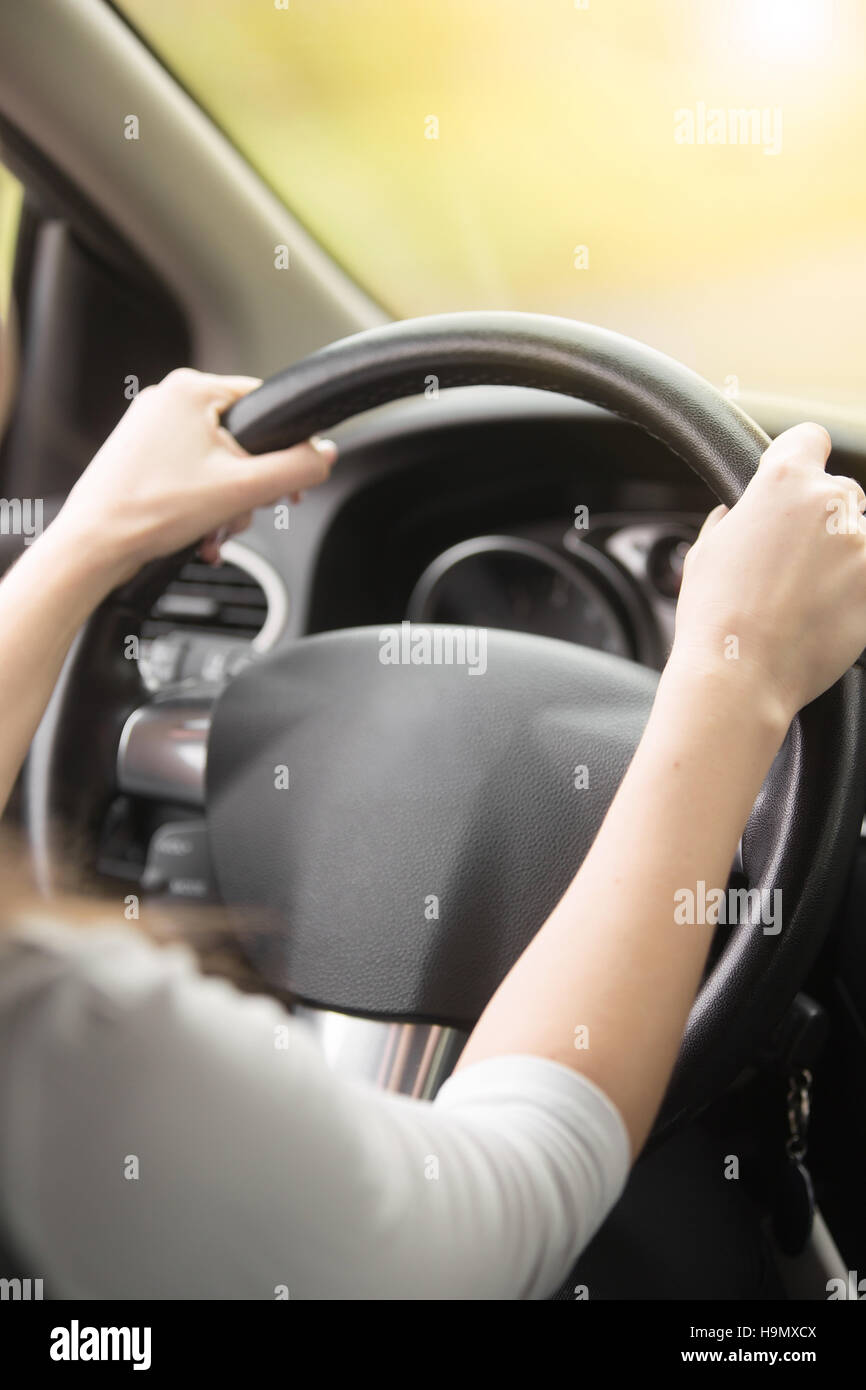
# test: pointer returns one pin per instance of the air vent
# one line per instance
(219, 601)
(212, 621)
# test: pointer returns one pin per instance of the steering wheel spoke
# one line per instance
(407, 827)
(162, 753)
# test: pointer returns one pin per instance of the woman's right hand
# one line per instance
(774, 589)
(170, 474)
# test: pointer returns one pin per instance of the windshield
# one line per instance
(10, 208)
(687, 172)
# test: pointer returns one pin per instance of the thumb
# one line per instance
(269, 476)
(712, 521)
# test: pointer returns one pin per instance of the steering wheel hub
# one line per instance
(408, 827)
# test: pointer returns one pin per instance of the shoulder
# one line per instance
(38, 952)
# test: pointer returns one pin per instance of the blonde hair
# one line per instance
(219, 938)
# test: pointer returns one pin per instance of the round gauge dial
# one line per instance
(520, 585)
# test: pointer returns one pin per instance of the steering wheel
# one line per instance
(431, 820)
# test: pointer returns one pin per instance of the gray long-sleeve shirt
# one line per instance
(156, 1141)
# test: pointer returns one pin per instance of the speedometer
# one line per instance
(521, 585)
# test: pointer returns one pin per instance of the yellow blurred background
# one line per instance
(10, 208)
(556, 130)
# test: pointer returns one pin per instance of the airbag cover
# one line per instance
(431, 818)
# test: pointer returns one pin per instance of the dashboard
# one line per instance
(497, 508)
(490, 506)
(609, 582)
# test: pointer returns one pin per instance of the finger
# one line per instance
(231, 388)
(265, 476)
(209, 549)
(238, 524)
(207, 386)
(711, 521)
(225, 437)
(807, 443)
(224, 392)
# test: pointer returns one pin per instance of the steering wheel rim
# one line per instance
(805, 823)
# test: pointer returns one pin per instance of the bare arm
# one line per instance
(612, 957)
(167, 476)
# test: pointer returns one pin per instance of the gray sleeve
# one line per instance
(164, 1136)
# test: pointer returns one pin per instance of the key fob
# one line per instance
(794, 1207)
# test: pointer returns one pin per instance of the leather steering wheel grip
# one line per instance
(667, 400)
(803, 830)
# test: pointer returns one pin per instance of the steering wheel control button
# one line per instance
(238, 659)
(178, 862)
(213, 665)
(163, 750)
(161, 661)
(218, 663)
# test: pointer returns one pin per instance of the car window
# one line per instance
(680, 170)
(10, 214)
(10, 210)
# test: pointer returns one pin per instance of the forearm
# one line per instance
(168, 476)
(44, 599)
(611, 959)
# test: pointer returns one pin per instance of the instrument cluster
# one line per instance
(611, 585)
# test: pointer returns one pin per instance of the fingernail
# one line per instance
(324, 446)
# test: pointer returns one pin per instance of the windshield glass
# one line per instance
(687, 172)
(10, 210)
